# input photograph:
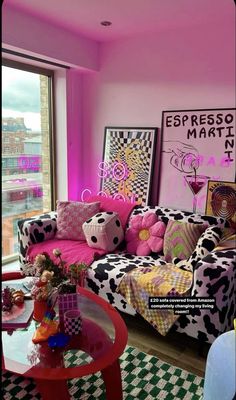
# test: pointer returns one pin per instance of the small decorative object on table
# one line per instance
(67, 300)
(16, 313)
(78, 273)
(72, 322)
(47, 328)
(58, 340)
(49, 277)
(51, 284)
(11, 297)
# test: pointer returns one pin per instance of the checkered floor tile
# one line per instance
(144, 377)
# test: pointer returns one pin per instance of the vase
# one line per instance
(72, 322)
(66, 302)
(40, 308)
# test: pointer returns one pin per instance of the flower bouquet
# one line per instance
(49, 276)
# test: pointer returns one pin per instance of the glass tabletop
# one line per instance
(101, 341)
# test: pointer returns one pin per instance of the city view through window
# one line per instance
(26, 174)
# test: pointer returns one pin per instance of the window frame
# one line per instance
(6, 62)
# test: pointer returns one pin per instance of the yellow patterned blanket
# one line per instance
(163, 280)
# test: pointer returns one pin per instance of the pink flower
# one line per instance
(145, 234)
(57, 252)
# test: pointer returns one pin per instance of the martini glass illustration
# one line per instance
(196, 183)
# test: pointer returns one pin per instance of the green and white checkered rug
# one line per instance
(144, 377)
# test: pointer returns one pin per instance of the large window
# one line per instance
(27, 158)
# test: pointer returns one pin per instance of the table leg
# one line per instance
(113, 383)
(53, 389)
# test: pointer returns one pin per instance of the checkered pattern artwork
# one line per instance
(144, 377)
(128, 160)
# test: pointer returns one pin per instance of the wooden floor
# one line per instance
(175, 348)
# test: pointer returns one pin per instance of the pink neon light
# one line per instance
(102, 193)
(104, 166)
(125, 172)
(82, 194)
(112, 169)
(118, 196)
(29, 163)
(224, 162)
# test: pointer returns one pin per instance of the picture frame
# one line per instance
(221, 200)
(197, 146)
(129, 155)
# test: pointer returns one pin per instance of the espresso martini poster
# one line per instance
(197, 146)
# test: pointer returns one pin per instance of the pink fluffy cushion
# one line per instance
(122, 208)
(145, 234)
(70, 217)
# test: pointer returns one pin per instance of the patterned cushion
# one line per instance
(70, 217)
(145, 234)
(206, 243)
(180, 239)
(104, 231)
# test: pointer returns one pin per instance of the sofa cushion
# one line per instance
(145, 234)
(122, 208)
(206, 243)
(70, 217)
(103, 231)
(180, 239)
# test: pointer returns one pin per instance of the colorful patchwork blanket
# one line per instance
(162, 281)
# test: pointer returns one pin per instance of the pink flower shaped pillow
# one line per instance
(145, 234)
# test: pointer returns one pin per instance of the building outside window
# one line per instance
(27, 159)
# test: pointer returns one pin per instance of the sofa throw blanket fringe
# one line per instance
(164, 281)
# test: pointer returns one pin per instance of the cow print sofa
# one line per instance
(213, 276)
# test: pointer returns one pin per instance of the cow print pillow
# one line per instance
(206, 243)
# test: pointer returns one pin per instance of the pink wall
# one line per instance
(74, 132)
(182, 68)
(33, 35)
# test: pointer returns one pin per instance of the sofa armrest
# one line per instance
(214, 276)
(35, 230)
(215, 271)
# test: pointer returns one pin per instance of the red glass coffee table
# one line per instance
(103, 337)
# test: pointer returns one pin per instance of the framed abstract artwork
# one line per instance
(128, 161)
(221, 200)
(197, 146)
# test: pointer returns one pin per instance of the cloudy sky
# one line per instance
(21, 96)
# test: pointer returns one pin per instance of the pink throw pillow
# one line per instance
(122, 208)
(70, 217)
(145, 234)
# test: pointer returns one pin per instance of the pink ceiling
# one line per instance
(128, 17)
